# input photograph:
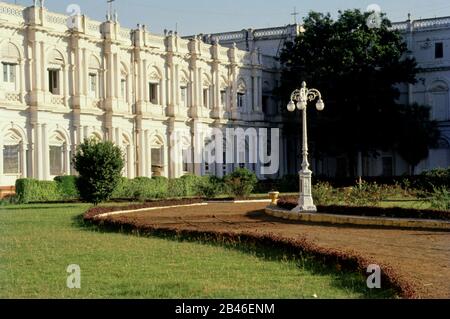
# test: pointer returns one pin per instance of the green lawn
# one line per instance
(38, 242)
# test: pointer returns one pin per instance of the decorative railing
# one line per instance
(94, 26)
(271, 32)
(125, 34)
(399, 26)
(432, 23)
(423, 24)
(55, 18)
(12, 10)
(56, 100)
(13, 97)
(231, 36)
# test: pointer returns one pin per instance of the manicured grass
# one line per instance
(38, 242)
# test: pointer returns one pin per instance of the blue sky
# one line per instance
(208, 16)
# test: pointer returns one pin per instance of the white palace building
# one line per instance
(67, 79)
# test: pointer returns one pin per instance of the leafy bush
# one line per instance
(211, 187)
(177, 188)
(144, 188)
(160, 187)
(191, 184)
(241, 182)
(428, 181)
(323, 194)
(32, 191)
(67, 186)
(440, 198)
(363, 194)
(100, 167)
(123, 189)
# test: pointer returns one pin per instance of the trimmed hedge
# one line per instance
(34, 191)
(67, 186)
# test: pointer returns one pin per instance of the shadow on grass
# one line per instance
(344, 280)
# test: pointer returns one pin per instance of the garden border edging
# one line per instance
(430, 224)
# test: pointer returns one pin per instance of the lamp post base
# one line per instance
(304, 209)
(305, 201)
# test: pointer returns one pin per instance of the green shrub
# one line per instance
(144, 188)
(437, 178)
(241, 182)
(440, 198)
(192, 183)
(211, 187)
(123, 189)
(67, 186)
(323, 194)
(177, 188)
(363, 194)
(160, 187)
(33, 191)
(100, 166)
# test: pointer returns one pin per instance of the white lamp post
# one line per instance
(299, 99)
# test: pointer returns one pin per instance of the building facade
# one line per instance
(428, 40)
(65, 79)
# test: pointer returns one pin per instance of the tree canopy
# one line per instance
(100, 166)
(358, 69)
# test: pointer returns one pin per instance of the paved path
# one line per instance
(422, 257)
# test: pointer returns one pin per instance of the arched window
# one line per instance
(10, 59)
(58, 154)
(13, 153)
(186, 153)
(207, 92)
(94, 77)
(241, 94)
(184, 89)
(224, 93)
(157, 155)
(55, 72)
(154, 86)
(439, 96)
(209, 154)
(124, 91)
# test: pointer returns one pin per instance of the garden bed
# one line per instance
(290, 203)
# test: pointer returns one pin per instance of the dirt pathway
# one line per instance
(423, 257)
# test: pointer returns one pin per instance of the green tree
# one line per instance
(100, 166)
(358, 69)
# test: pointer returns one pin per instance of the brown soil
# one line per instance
(421, 257)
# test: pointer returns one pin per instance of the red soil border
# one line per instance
(340, 260)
